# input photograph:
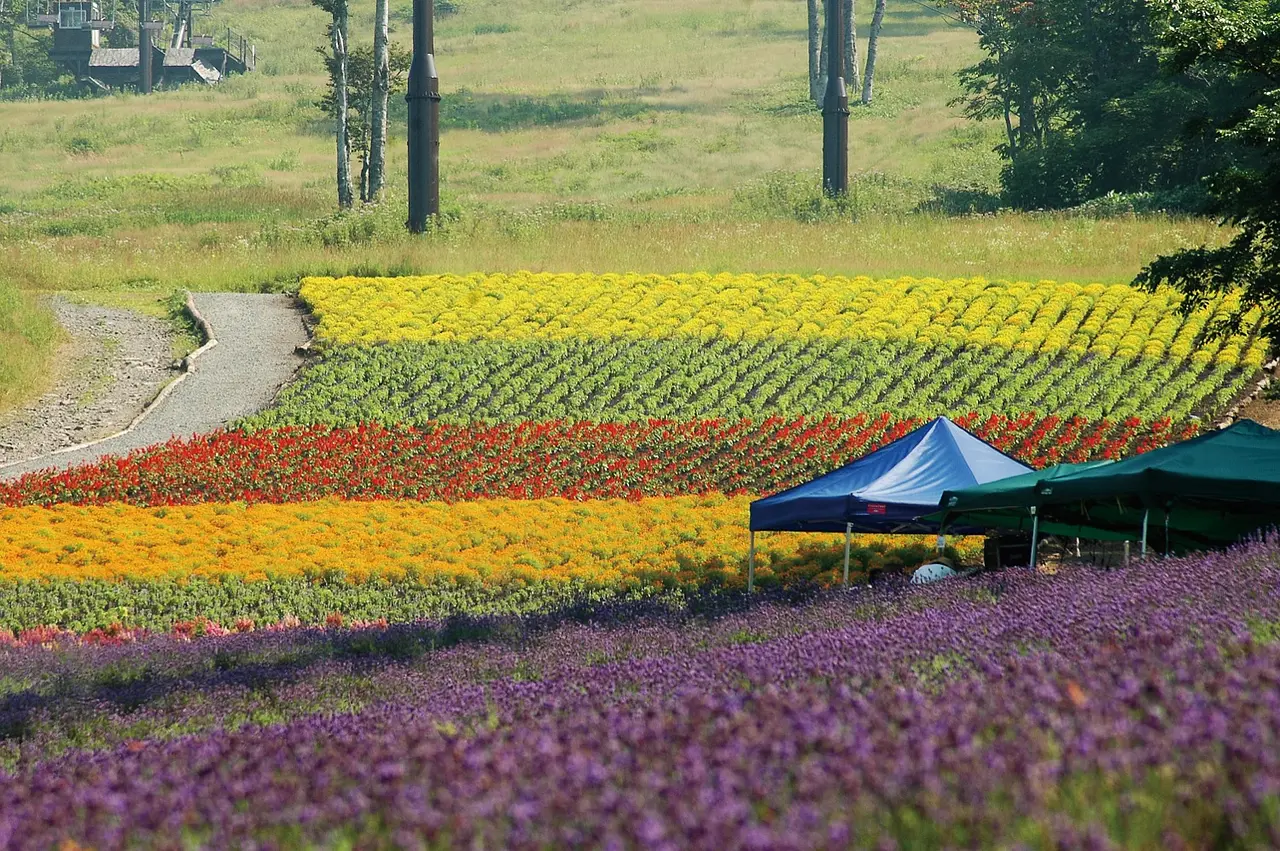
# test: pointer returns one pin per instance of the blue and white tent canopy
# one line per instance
(889, 489)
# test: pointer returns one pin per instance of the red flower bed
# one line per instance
(576, 460)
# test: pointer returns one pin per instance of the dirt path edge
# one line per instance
(188, 366)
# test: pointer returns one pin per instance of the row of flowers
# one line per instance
(685, 378)
(574, 460)
(693, 539)
(1105, 320)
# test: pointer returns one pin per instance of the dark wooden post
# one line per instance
(423, 97)
(144, 47)
(835, 107)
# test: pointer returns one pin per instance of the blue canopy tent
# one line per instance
(888, 490)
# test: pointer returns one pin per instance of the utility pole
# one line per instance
(144, 47)
(835, 107)
(423, 96)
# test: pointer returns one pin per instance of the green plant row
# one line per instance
(232, 602)
(620, 380)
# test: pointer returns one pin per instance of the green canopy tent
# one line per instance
(1211, 490)
(1208, 491)
(1013, 504)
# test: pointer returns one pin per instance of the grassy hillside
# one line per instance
(607, 134)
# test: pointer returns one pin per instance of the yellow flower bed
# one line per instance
(1039, 316)
(492, 541)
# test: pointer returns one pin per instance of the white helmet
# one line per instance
(931, 573)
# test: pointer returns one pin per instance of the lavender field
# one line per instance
(1137, 708)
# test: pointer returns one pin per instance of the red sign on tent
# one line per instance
(875, 508)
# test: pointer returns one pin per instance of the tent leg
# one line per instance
(942, 540)
(751, 564)
(1166, 533)
(848, 536)
(1035, 538)
(1126, 553)
(1146, 516)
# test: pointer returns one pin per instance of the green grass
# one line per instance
(29, 335)
(683, 125)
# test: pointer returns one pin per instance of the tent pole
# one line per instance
(751, 564)
(848, 535)
(1035, 535)
(1166, 533)
(1146, 516)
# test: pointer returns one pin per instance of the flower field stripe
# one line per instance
(574, 460)
(685, 378)
(1013, 709)
(495, 542)
(1045, 316)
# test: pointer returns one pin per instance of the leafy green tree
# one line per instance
(1086, 105)
(1237, 41)
(362, 98)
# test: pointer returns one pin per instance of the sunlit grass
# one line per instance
(28, 337)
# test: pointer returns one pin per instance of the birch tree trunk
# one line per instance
(873, 41)
(851, 48)
(339, 43)
(378, 111)
(822, 55)
(815, 35)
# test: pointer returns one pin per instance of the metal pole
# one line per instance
(1166, 533)
(848, 540)
(1035, 535)
(835, 107)
(1146, 515)
(751, 564)
(423, 97)
(144, 47)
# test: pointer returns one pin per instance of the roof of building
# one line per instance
(113, 57)
(175, 57)
(209, 75)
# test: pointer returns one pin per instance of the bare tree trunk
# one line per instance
(815, 35)
(851, 48)
(873, 41)
(339, 41)
(378, 111)
(822, 58)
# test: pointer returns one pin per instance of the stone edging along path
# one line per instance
(237, 371)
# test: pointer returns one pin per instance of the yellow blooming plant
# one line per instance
(494, 542)
(1047, 316)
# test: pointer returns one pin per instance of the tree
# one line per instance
(381, 87)
(360, 94)
(873, 45)
(815, 40)
(1086, 105)
(818, 50)
(1235, 41)
(337, 65)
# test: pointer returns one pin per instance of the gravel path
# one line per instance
(255, 355)
(113, 363)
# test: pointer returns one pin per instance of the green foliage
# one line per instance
(686, 378)
(1238, 42)
(84, 605)
(28, 336)
(1087, 107)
